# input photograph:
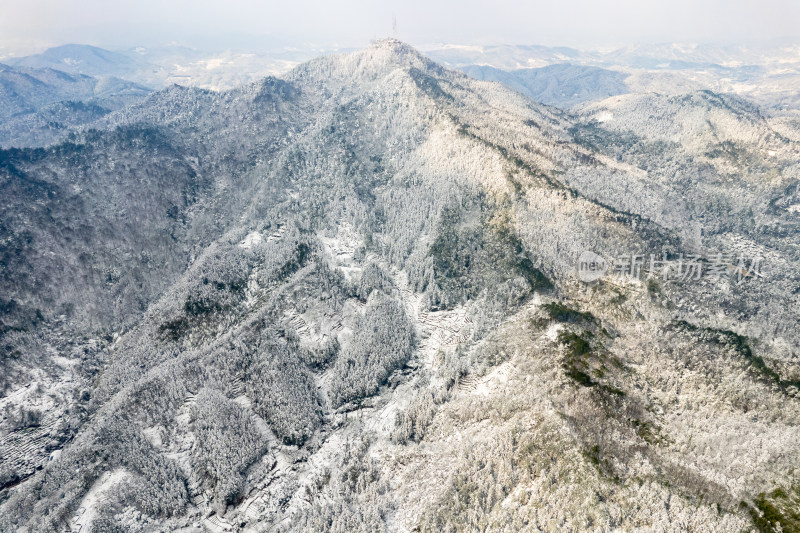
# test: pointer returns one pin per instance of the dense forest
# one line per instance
(348, 300)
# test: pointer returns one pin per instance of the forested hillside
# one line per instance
(350, 300)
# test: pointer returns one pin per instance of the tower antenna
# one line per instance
(394, 26)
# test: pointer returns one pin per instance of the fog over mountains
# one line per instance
(377, 293)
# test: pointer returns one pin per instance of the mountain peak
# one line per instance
(395, 52)
(379, 59)
(79, 59)
(394, 45)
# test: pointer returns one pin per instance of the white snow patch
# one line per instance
(87, 511)
(553, 331)
(604, 116)
(253, 238)
(498, 376)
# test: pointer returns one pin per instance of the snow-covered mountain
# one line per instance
(157, 67)
(355, 298)
(766, 74)
(79, 59)
(39, 106)
(562, 85)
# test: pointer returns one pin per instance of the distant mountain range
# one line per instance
(40, 105)
(81, 59)
(767, 75)
(562, 85)
(158, 67)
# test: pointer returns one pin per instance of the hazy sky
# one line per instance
(29, 25)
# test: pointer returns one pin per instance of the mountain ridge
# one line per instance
(370, 269)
